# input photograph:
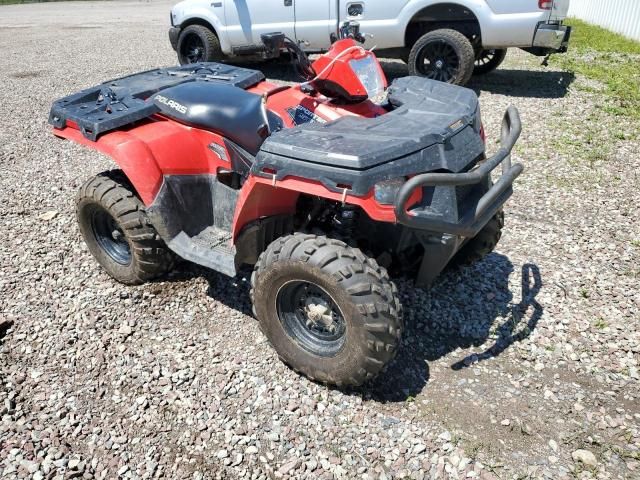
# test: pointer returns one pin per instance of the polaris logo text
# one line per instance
(171, 104)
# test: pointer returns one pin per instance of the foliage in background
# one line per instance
(608, 58)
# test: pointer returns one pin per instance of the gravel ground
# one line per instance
(522, 366)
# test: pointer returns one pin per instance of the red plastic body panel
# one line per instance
(160, 147)
(333, 67)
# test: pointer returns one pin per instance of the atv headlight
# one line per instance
(368, 71)
(385, 192)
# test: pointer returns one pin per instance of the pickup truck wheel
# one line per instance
(445, 55)
(330, 312)
(488, 60)
(115, 227)
(198, 44)
(482, 244)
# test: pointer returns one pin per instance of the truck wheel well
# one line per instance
(443, 15)
(198, 21)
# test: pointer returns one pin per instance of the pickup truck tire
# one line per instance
(330, 312)
(115, 227)
(488, 60)
(443, 54)
(197, 43)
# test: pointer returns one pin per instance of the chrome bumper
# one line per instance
(552, 37)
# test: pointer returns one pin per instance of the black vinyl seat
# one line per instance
(227, 110)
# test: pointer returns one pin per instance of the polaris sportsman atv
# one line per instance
(324, 187)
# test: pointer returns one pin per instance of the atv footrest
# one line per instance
(210, 248)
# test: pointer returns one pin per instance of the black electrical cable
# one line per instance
(300, 60)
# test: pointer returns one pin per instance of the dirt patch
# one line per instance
(26, 74)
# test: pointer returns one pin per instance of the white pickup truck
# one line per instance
(447, 41)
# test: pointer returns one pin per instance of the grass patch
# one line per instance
(608, 58)
(600, 324)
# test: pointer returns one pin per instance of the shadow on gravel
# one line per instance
(232, 292)
(459, 312)
(524, 83)
(512, 83)
(5, 325)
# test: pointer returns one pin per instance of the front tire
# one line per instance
(483, 243)
(445, 55)
(488, 60)
(330, 312)
(115, 227)
(197, 43)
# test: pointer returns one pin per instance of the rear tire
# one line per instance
(115, 227)
(198, 44)
(445, 55)
(482, 244)
(330, 312)
(488, 60)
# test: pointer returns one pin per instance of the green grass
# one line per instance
(591, 37)
(600, 323)
(608, 58)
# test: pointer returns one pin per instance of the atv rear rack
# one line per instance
(475, 218)
(123, 101)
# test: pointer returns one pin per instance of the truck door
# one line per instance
(376, 17)
(246, 20)
(315, 21)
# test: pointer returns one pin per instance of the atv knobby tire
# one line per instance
(201, 38)
(432, 46)
(483, 243)
(137, 253)
(365, 297)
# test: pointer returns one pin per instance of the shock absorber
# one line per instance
(345, 220)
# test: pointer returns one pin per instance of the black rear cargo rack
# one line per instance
(120, 102)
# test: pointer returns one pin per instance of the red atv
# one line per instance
(324, 186)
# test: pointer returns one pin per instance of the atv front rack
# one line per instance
(472, 221)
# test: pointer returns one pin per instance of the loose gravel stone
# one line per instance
(585, 456)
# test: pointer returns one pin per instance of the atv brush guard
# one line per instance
(472, 221)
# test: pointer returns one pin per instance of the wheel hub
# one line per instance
(439, 64)
(319, 316)
(311, 317)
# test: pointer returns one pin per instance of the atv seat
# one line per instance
(229, 111)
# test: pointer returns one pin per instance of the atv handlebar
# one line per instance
(472, 221)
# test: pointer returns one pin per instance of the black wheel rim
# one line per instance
(311, 318)
(438, 60)
(193, 48)
(485, 57)
(110, 236)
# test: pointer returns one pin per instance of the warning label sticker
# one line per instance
(301, 115)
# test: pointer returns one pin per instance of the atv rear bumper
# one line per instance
(475, 214)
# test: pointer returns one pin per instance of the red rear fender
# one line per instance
(147, 152)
